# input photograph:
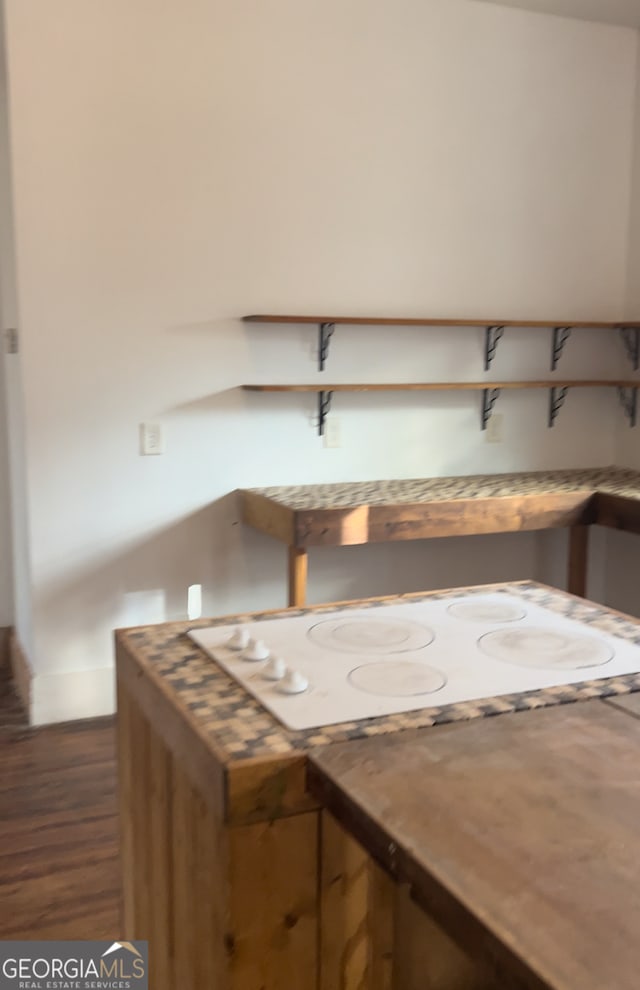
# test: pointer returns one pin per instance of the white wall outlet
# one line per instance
(151, 439)
(194, 601)
(494, 432)
(331, 431)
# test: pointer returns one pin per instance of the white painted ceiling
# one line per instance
(625, 12)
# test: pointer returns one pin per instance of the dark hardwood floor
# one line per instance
(59, 873)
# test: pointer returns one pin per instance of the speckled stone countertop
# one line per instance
(238, 726)
(612, 480)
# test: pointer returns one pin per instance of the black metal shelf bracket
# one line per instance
(560, 336)
(629, 402)
(631, 338)
(325, 333)
(324, 405)
(489, 399)
(492, 336)
(557, 395)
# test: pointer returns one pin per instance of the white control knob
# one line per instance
(239, 640)
(293, 683)
(256, 650)
(275, 669)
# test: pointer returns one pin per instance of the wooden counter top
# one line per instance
(259, 764)
(354, 513)
(350, 495)
(519, 835)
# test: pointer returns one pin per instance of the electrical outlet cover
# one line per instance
(494, 431)
(151, 439)
(332, 431)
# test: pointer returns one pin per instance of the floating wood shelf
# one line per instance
(441, 386)
(627, 392)
(402, 321)
(494, 330)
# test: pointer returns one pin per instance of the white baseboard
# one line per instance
(71, 695)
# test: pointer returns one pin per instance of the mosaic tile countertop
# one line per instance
(612, 480)
(239, 727)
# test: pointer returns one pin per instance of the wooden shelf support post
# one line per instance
(578, 560)
(298, 566)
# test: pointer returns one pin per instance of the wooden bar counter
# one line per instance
(307, 516)
(240, 881)
(517, 836)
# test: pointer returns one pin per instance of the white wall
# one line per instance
(7, 363)
(629, 440)
(6, 592)
(623, 551)
(179, 164)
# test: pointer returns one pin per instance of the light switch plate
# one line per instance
(494, 432)
(331, 434)
(151, 439)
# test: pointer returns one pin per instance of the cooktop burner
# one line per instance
(356, 663)
(546, 649)
(366, 634)
(401, 678)
(484, 610)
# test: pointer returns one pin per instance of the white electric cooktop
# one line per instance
(329, 667)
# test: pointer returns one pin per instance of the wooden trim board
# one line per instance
(5, 652)
(453, 517)
(354, 525)
(21, 671)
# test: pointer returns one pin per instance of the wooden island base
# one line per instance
(245, 874)
(292, 903)
(222, 905)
